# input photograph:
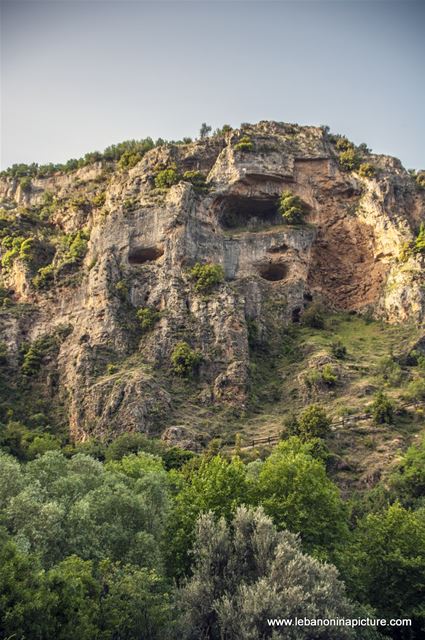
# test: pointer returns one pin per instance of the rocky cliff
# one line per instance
(97, 267)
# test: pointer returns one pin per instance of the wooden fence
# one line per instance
(339, 423)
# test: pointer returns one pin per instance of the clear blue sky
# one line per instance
(78, 76)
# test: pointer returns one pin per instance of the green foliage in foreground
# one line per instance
(92, 549)
(247, 572)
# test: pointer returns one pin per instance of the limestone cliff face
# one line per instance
(143, 241)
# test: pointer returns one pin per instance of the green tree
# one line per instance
(382, 409)
(294, 490)
(408, 480)
(204, 131)
(313, 422)
(385, 564)
(24, 599)
(215, 485)
(292, 208)
(75, 610)
(135, 604)
(185, 360)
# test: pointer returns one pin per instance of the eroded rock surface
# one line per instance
(143, 242)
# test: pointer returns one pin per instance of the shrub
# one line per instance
(196, 178)
(166, 178)
(129, 159)
(416, 390)
(419, 246)
(343, 144)
(111, 369)
(329, 376)
(121, 289)
(245, 144)
(313, 317)
(338, 350)
(147, 318)
(291, 208)
(25, 184)
(367, 170)
(420, 180)
(390, 371)
(206, 276)
(313, 422)
(32, 359)
(349, 160)
(44, 277)
(382, 409)
(99, 199)
(185, 360)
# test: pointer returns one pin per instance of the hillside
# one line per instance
(159, 288)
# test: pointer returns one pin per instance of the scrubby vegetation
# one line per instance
(292, 208)
(245, 144)
(185, 360)
(206, 276)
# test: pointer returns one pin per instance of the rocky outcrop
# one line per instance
(144, 240)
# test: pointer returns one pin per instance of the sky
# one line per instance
(77, 76)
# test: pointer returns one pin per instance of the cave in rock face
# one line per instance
(140, 255)
(244, 211)
(273, 271)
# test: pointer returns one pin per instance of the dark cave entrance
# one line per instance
(273, 271)
(235, 211)
(296, 315)
(140, 255)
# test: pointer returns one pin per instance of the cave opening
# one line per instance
(296, 315)
(273, 271)
(236, 211)
(140, 255)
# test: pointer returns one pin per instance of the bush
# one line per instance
(245, 144)
(111, 369)
(420, 180)
(185, 360)
(166, 178)
(313, 422)
(419, 246)
(313, 317)
(349, 160)
(390, 371)
(25, 184)
(338, 350)
(416, 390)
(196, 178)
(129, 159)
(329, 376)
(206, 276)
(382, 409)
(147, 318)
(44, 277)
(291, 208)
(33, 359)
(99, 199)
(367, 170)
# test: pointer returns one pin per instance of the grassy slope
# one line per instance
(363, 450)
